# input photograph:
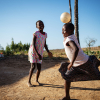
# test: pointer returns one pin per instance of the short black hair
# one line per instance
(69, 26)
(39, 21)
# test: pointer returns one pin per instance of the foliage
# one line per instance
(96, 53)
(14, 48)
(88, 52)
(98, 56)
(12, 45)
(90, 42)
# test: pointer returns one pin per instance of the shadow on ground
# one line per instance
(61, 86)
(14, 68)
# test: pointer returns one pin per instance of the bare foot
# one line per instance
(38, 82)
(29, 84)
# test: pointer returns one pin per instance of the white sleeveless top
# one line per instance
(81, 57)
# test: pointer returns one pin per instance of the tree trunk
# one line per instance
(70, 9)
(76, 19)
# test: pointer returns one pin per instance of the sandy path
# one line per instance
(14, 76)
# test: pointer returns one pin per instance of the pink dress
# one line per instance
(40, 42)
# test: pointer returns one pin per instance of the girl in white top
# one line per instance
(81, 56)
(81, 67)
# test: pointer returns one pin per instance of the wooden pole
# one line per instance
(70, 9)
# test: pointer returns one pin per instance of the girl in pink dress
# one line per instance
(35, 53)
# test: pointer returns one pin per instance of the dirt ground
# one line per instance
(14, 76)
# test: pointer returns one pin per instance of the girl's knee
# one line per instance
(33, 66)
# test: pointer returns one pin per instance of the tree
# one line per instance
(70, 9)
(16, 48)
(12, 45)
(76, 20)
(20, 46)
(24, 47)
(90, 42)
(8, 47)
(27, 46)
(8, 51)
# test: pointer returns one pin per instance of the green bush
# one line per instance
(97, 52)
(88, 52)
(98, 56)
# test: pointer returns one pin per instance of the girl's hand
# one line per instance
(69, 66)
(50, 55)
(39, 57)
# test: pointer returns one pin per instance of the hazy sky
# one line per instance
(18, 20)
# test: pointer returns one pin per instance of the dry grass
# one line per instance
(61, 52)
(56, 53)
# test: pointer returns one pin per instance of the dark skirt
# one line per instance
(85, 72)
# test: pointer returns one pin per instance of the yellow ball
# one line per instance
(65, 17)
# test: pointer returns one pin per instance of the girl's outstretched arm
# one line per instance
(75, 49)
(46, 47)
(34, 42)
